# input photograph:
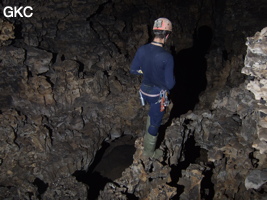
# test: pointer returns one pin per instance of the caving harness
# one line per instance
(163, 98)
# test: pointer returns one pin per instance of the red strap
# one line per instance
(162, 107)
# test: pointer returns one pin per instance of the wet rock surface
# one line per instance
(65, 88)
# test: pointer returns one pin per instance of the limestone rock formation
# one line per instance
(255, 67)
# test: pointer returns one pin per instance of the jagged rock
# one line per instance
(256, 178)
(255, 63)
(257, 45)
(115, 133)
(255, 66)
(38, 60)
(17, 54)
(66, 188)
(260, 145)
(38, 90)
(191, 180)
(173, 143)
(7, 31)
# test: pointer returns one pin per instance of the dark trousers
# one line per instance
(154, 111)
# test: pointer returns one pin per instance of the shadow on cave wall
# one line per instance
(190, 73)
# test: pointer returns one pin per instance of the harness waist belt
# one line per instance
(149, 95)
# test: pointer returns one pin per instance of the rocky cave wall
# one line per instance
(66, 87)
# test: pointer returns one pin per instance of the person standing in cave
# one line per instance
(156, 65)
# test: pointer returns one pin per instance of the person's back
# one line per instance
(156, 66)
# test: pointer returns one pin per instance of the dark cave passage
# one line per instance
(109, 162)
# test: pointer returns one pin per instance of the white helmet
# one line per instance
(162, 24)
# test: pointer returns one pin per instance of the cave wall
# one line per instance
(66, 87)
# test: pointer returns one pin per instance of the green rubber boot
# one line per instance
(150, 144)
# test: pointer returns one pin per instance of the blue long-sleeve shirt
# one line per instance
(156, 64)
